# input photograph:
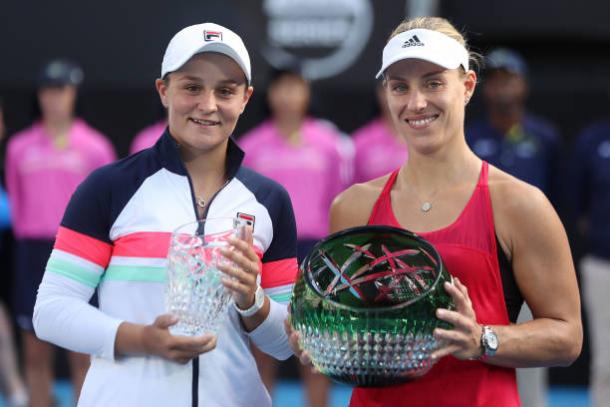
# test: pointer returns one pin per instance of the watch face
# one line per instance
(491, 340)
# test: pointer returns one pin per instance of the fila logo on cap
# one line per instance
(413, 42)
(212, 35)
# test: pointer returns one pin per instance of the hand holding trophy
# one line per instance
(364, 305)
(195, 293)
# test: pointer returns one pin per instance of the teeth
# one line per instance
(204, 122)
(422, 122)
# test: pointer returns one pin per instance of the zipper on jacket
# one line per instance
(200, 229)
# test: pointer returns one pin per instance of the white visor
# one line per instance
(428, 45)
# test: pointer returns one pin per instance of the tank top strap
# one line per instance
(387, 188)
(488, 208)
(483, 178)
(383, 205)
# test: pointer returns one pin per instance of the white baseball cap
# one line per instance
(428, 45)
(206, 37)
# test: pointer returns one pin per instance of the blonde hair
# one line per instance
(442, 26)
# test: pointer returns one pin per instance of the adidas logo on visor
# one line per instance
(413, 42)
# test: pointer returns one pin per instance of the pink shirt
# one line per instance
(310, 172)
(147, 137)
(41, 178)
(378, 151)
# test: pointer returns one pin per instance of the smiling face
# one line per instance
(427, 102)
(204, 99)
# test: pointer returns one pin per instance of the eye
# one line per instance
(434, 84)
(398, 87)
(226, 92)
(193, 88)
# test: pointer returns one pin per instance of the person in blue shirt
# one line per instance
(588, 201)
(510, 137)
(523, 145)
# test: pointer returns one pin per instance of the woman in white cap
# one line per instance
(115, 235)
(499, 237)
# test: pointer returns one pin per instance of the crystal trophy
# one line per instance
(194, 291)
(364, 305)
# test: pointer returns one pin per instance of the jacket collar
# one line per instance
(169, 152)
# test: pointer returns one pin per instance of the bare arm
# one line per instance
(353, 206)
(532, 235)
(543, 268)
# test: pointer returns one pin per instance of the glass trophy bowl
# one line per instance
(364, 305)
(194, 291)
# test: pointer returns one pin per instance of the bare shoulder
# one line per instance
(353, 206)
(511, 196)
(519, 210)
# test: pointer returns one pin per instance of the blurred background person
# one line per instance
(303, 154)
(510, 137)
(11, 383)
(44, 164)
(588, 199)
(526, 147)
(379, 150)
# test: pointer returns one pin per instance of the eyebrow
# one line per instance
(231, 82)
(433, 73)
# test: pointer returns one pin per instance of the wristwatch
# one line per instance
(489, 342)
(259, 301)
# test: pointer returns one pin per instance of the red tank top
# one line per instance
(468, 249)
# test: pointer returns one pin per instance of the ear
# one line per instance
(247, 94)
(162, 89)
(470, 83)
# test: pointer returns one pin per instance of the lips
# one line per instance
(204, 122)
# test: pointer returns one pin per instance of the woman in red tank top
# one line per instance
(464, 207)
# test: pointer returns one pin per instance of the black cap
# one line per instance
(507, 59)
(291, 68)
(60, 72)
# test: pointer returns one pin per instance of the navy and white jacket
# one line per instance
(114, 237)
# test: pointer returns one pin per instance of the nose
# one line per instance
(416, 101)
(207, 102)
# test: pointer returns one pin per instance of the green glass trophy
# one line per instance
(364, 305)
